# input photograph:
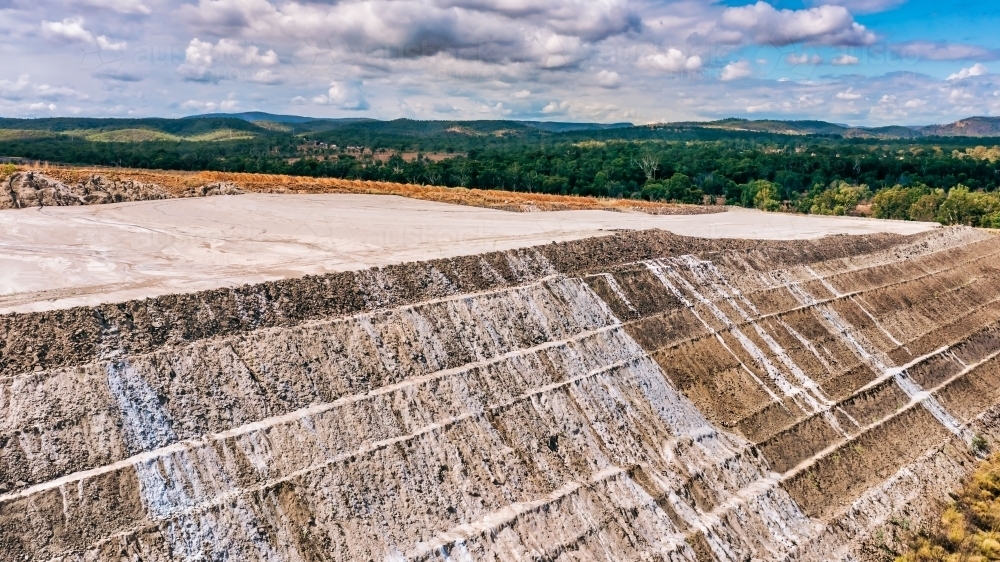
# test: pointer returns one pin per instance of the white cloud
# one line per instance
(804, 58)
(975, 70)
(72, 30)
(608, 79)
(420, 58)
(343, 96)
(50, 92)
(556, 108)
(671, 60)
(203, 61)
(826, 25)
(42, 107)
(845, 60)
(736, 71)
(960, 96)
(861, 6)
(849, 95)
(199, 105)
(106, 44)
(227, 51)
(552, 34)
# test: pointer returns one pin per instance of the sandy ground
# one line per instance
(60, 257)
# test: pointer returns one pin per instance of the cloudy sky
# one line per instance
(866, 62)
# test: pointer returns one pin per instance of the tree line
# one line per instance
(910, 180)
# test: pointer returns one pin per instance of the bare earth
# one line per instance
(57, 257)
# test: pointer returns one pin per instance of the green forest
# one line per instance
(952, 180)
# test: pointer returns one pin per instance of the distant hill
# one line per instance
(255, 116)
(550, 126)
(805, 128)
(971, 127)
(132, 130)
(556, 127)
(451, 136)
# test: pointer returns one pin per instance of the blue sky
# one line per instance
(864, 62)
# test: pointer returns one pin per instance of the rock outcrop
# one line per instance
(33, 189)
(642, 396)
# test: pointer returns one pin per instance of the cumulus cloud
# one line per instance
(975, 70)
(343, 95)
(671, 60)
(608, 79)
(849, 95)
(763, 24)
(36, 107)
(228, 51)
(199, 105)
(845, 60)
(736, 71)
(460, 57)
(201, 58)
(72, 30)
(556, 108)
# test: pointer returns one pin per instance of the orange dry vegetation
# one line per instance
(177, 182)
(969, 529)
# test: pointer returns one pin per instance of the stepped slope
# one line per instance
(641, 396)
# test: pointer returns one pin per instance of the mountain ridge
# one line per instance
(977, 126)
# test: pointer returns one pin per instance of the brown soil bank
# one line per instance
(180, 182)
(640, 396)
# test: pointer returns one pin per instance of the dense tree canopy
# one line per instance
(948, 180)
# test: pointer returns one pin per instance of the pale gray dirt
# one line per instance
(57, 257)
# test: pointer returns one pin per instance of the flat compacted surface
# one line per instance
(56, 257)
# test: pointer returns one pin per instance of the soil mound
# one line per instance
(33, 189)
(642, 396)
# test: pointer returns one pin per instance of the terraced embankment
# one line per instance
(640, 396)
